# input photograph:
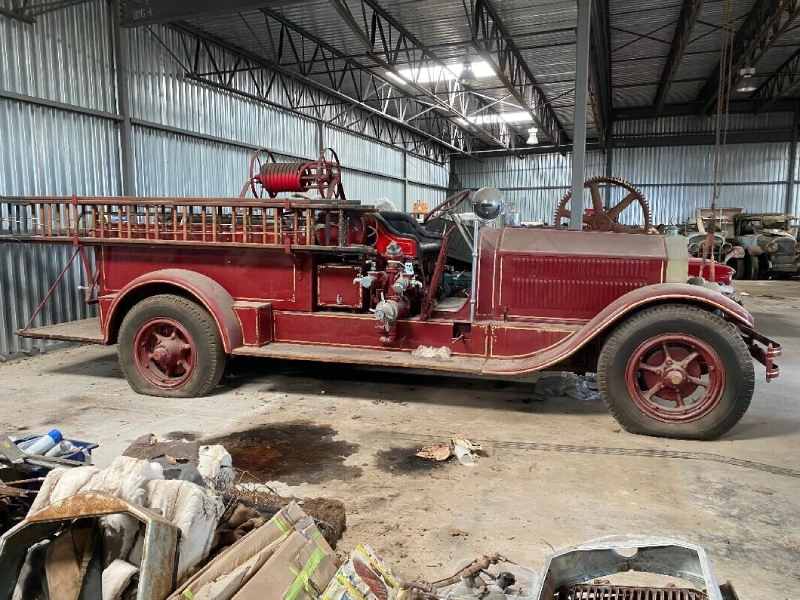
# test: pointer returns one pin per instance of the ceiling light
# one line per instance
(746, 83)
(428, 74)
(395, 77)
(467, 73)
(533, 139)
(520, 116)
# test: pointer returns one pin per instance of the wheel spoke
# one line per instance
(653, 390)
(614, 213)
(697, 381)
(666, 351)
(685, 362)
(597, 201)
(651, 368)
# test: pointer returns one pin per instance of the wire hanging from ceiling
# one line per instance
(727, 35)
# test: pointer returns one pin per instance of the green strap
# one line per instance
(301, 580)
(188, 594)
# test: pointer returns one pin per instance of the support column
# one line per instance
(792, 162)
(581, 94)
(609, 172)
(405, 182)
(320, 136)
(121, 62)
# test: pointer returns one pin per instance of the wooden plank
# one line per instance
(84, 330)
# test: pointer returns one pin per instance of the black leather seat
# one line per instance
(400, 223)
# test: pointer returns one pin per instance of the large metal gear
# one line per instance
(601, 219)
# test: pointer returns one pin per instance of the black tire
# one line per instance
(208, 354)
(739, 268)
(703, 325)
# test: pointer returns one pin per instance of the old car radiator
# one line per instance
(617, 592)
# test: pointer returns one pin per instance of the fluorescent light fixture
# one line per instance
(480, 70)
(533, 139)
(395, 77)
(746, 85)
(520, 116)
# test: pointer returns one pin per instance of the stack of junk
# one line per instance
(175, 521)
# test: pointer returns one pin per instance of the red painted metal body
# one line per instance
(317, 274)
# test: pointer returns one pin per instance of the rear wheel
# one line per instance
(169, 346)
(676, 371)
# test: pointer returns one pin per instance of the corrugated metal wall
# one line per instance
(67, 57)
(676, 180)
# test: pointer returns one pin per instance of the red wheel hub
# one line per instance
(675, 378)
(164, 352)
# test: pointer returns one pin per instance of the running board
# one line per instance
(363, 356)
(86, 331)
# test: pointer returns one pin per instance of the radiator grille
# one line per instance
(616, 592)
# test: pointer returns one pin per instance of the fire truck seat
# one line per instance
(400, 223)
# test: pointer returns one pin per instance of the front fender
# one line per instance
(215, 298)
(651, 295)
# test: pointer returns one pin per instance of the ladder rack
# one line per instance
(287, 224)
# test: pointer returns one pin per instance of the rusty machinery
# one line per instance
(268, 177)
(600, 218)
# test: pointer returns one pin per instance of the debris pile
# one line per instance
(464, 450)
(174, 520)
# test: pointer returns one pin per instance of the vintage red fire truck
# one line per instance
(183, 283)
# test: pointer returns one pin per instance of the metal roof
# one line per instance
(643, 36)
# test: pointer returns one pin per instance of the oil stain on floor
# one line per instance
(294, 452)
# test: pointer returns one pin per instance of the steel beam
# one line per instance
(692, 108)
(207, 59)
(690, 12)
(498, 49)
(765, 23)
(581, 93)
(600, 75)
(387, 42)
(151, 12)
(27, 10)
(792, 175)
(121, 61)
(783, 83)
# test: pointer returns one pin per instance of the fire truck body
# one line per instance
(183, 283)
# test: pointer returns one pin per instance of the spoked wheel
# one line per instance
(170, 346)
(676, 371)
(330, 176)
(260, 158)
(675, 378)
(601, 219)
(165, 353)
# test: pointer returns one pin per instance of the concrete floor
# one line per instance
(357, 428)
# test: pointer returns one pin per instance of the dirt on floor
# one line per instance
(557, 471)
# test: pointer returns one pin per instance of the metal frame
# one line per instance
(765, 23)
(690, 12)
(238, 71)
(581, 91)
(600, 74)
(389, 44)
(497, 47)
(784, 82)
(27, 10)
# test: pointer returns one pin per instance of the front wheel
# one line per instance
(169, 346)
(676, 371)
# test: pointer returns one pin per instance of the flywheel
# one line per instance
(601, 219)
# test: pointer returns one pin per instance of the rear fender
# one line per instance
(204, 290)
(616, 312)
